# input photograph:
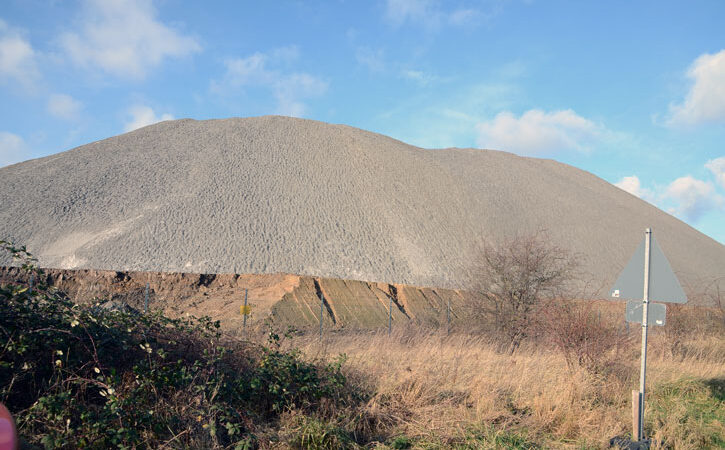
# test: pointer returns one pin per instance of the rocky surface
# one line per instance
(277, 194)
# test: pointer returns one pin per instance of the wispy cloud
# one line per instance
(538, 132)
(717, 167)
(17, 58)
(13, 149)
(124, 38)
(64, 106)
(419, 77)
(271, 71)
(430, 14)
(430, 120)
(705, 101)
(141, 116)
(372, 59)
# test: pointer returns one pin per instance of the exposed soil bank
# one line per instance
(286, 299)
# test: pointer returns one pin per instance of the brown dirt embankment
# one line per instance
(286, 299)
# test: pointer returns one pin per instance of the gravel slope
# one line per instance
(277, 194)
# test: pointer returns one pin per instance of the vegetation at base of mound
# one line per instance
(108, 376)
(93, 377)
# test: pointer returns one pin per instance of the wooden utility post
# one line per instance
(448, 317)
(390, 315)
(322, 310)
(246, 313)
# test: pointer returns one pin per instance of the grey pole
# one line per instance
(244, 320)
(322, 309)
(645, 301)
(390, 316)
(146, 300)
(32, 278)
(448, 317)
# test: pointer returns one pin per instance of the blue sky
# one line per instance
(633, 92)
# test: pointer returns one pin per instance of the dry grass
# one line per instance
(435, 389)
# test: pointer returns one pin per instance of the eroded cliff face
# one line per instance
(285, 299)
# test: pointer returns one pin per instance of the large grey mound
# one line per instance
(277, 194)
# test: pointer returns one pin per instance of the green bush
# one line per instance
(90, 377)
(283, 380)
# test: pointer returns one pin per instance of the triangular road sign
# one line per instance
(663, 284)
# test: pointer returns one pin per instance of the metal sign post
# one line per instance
(30, 288)
(643, 358)
(246, 312)
(653, 280)
(146, 300)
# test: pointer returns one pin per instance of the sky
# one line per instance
(633, 92)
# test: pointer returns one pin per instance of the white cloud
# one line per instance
(717, 167)
(262, 70)
(693, 197)
(705, 102)
(17, 57)
(124, 38)
(64, 106)
(420, 77)
(463, 16)
(293, 87)
(12, 149)
(428, 13)
(372, 59)
(398, 11)
(634, 187)
(538, 132)
(142, 116)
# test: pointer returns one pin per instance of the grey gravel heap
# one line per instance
(277, 194)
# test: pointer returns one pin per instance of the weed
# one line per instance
(688, 413)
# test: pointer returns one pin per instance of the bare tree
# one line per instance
(515, 276)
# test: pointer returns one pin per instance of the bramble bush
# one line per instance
(85, 376)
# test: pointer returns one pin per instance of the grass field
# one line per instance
(435, 391)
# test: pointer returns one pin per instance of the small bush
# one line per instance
(579, 334)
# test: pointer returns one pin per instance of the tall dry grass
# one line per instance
(435, 389)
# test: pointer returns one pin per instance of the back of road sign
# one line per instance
(656, 313)
(663, 284)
